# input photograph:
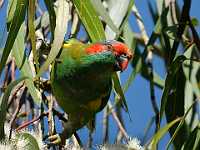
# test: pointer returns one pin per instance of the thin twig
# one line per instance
(140, 24)
(119, 135)
(14, 116)
(14, 95)
(75, 24)
(119, 124)
(195, 35)
(13, 69)
(152, 92)
(173, 11)
(27, 123)
(50, 116)
(105, 125)
(5, 82)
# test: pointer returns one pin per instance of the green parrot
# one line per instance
(81, 80)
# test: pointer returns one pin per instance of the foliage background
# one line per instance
(180, 95)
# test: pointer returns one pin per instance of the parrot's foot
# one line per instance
(56, 140)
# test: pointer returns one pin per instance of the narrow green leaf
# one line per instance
(16, 22)
(24, 65)
(52, 16)
(4, 103)
(158, 80)
(179, 126)
(191, 72)
(161, 132)
(29, 141)
(175, 108)
(31, 27)
(160, 5)
(194, 82)
(128, 36)
(191, 88)
(193, 142)
(63, 14)
(119, 11)
(11, 11)
(157, 31)
(169, 81)
(97, 4)
(90, 20)
(128, 12)
(197, 140)
(119, 90)
(129, 40)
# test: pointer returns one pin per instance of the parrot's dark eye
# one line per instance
(124, 55)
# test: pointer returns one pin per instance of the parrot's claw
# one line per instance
(55, 139)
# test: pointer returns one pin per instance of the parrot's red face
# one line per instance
(121, 52)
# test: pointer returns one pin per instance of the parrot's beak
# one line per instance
(122, 62)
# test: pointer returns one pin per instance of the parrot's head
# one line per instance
(120, 51)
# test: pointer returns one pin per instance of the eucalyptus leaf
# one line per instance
(117, 11)
(161, 132)
(62, 18)
(97, 4)
(16, 22)
(52, 15)
(126, 17)
(18, 52)
(193, 141)
(31, 27)
(90, 20)
(190, 88)
(177, 63)
(119, 90)
(175, 108)
(11, 11)
(181, 123)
